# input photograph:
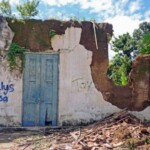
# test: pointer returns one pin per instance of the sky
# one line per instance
(124, 15)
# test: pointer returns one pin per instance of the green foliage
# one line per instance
(124, 43)
(5, 8)
(14, 52)
(119, 69)
(144, 45)
(120, 65)
(144, 28)
(28, 9)
(131, 145)
(147, 140)
(52, 33)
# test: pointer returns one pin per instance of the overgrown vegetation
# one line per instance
(127, 47)
(52, 33)
(14, 52)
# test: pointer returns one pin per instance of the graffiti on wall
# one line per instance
(4, 90)
(82, 84)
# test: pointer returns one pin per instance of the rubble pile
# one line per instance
(118, 131)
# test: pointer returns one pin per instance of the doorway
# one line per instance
(40, 89)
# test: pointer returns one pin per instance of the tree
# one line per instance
(144, 45)
(138, 34)
(5, 8)
(119, 69)
(28, 9)
(144, 28)
(124, 43)
(120, 65)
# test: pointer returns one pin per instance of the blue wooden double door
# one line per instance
(40, 89)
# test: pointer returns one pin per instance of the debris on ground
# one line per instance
(119, 131)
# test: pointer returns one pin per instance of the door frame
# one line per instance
(49, 52)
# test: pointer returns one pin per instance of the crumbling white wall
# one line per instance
(79, 100)
(10, 82)
(10, 97)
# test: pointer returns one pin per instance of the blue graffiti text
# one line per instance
(4, 90)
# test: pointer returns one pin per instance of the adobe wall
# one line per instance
(85, 92)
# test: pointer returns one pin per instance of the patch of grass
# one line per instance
(131, 144)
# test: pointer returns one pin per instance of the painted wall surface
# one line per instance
(10, 97)
(79, 100)
(10, 83)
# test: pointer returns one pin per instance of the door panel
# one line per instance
(31, 87)
(49, 83)
(40, 89)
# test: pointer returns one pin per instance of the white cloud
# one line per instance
(124, 1)
(136, 17)
(134, 6)
(51, 2)
(123, 24)
(95, 5)
(12, 2)
(59, 2)
(147, 16)
(104, 8)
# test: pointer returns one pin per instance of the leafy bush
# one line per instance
(14, 52)
(119, 69)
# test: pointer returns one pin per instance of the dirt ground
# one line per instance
(120, 131)
(25, 140)
(34, 140)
